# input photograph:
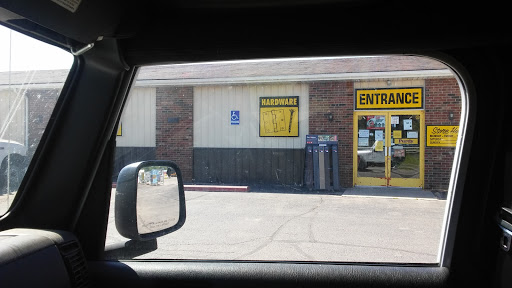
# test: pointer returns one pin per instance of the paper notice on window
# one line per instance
(412, 134)
(395, 120)
(379, 135)
(407, 124)
(364, 133)
(397, 134)
(362, 142)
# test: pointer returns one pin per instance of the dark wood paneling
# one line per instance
(248, 166)
(128, 155)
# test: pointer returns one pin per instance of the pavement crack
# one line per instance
(271, 238)
(295, 217)
(308, 257)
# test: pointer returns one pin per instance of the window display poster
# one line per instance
(412, 134)
(395, 120)
(363, 142)
(376, 122)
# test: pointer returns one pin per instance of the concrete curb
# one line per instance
(216, 188)
(209, 188)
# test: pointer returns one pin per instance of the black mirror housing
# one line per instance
(139, 210)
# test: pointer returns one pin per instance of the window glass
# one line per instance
(32, 74)
(322, 159)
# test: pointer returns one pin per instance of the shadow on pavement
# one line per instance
(291, 189)
(394, 192)
(359, 191)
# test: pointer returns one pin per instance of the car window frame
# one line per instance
(457, 179)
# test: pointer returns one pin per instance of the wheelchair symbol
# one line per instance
(234, 115)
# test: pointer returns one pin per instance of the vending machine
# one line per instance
(321, 171)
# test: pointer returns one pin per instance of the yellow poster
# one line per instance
(389, 98)
(379, 146)
(405, 141)
(397, 134)
(442, 136)
(279, 116)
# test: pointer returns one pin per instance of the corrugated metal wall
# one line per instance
(138, 119)
(212, 107)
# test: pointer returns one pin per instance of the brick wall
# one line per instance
(174, 122)
(442, 96)
(336, 97)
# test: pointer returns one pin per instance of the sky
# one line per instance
(22, 53)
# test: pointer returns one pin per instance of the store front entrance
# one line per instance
(389, 148)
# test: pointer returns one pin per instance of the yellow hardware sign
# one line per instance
(442, 136)
(404, 141)
(279, 116)
(389, 98)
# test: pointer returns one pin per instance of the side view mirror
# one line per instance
(150, 200)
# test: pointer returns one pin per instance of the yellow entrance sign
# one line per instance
(442, 136)
(279, 116)
(389, 98)
(406, 141)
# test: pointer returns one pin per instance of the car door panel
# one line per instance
(230, 274)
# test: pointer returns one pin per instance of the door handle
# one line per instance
(504, 222)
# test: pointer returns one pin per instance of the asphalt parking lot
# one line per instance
(392, 225)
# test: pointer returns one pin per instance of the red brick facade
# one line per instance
(442, 96)
(334, 97)
(174, 124)
(337, 97)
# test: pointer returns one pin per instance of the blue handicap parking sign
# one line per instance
(235, 117)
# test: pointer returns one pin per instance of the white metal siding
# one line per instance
(138, 119)
(394, 83)
(213, 104)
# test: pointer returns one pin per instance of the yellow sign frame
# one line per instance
(389, 98)
(279, 116)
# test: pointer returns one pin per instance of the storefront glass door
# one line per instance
(388, 148)
(370, 142)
